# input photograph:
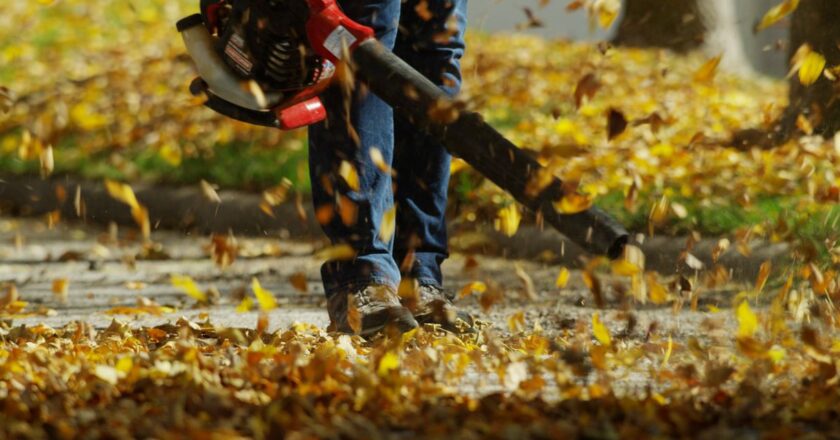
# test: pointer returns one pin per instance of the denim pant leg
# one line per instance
(354, 215)
(431, 40)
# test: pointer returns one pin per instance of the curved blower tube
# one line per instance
(214, 71)
(485, 149)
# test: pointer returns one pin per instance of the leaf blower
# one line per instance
(265, 62)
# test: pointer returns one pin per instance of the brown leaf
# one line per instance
(616, 123)
(299, 282)
(586, 87)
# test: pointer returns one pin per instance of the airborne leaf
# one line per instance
(602, 334)
(776, 13)
(265, 298)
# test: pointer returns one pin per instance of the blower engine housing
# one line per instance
(255, 62)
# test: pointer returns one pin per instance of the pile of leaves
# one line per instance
(191, 379)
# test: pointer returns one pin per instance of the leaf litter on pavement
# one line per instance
(644, 124)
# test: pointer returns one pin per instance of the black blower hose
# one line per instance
(485, 149)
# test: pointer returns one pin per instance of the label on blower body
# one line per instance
(337, 40)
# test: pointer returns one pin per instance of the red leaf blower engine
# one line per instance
(265, 62)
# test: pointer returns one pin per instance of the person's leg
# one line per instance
(431, 39)
(354, 126)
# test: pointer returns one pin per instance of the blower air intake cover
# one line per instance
(265, 41)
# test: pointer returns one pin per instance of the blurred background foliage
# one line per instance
(104, 86)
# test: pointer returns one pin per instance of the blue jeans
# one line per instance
(428, 35)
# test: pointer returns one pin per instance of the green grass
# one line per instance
(238, 165)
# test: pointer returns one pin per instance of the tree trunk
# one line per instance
(817, 23)
(684, 25)
(673, 24)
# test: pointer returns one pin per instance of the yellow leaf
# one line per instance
(776, 354)
(602, 334)
(124, 365)
(122, 192)
(473, 287)
(264, 297)
(747, 321)
(668, 351)
(607, 11)
(562, 278)
(60, 288)
(707, 71)
(508, 220)
(777, 13)
(573, 203)
(763, 274)
(379, 160)
(348, 172)
(811, 68)
(457, 165)
(388, 225)
(338, 252)
(390, 361)
(516, 322)
(188, 286)
(125, 194)
(245, 305)
(657, 292)
(171, 153)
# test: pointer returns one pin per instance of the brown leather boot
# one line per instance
(368, 310)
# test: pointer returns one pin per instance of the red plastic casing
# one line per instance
(301, 114)
(327, 27)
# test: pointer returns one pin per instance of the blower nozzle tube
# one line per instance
(485, 149)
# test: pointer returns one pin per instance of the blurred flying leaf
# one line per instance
(388, 225)
(340, 252)
(602, 334)
(811, 68)
(747, 321)
(348, 172)
(508, 219)
(616, 123)
(763, 275)
(573, 203)
(562, 278)
(187, 285)
(707, 71)
(209, 192)
(299, 282)
(586, 87)
(264, 297)
(777, 13)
